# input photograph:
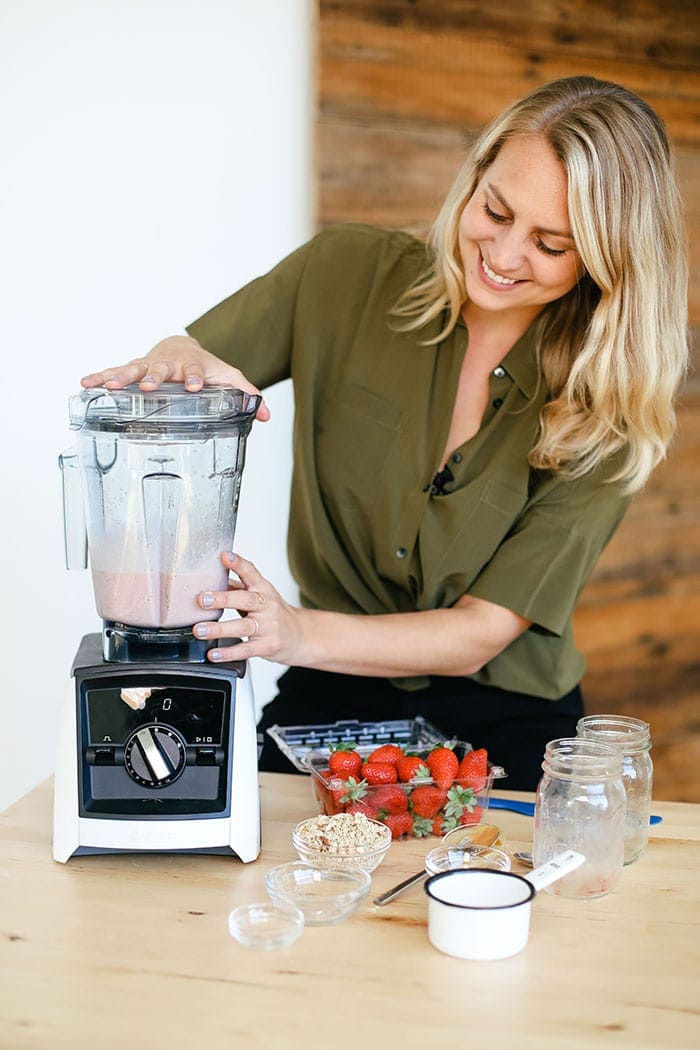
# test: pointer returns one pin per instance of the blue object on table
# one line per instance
(528, 808)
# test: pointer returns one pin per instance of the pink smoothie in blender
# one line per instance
(160, 476)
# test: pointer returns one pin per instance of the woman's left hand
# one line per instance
(270, 626)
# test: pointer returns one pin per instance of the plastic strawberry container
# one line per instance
(432, 812)
(296, 742)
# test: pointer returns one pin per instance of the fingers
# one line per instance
(158, 372)
(263, 413)
(149, 371)
(254, 641)
(239, 598)
(245, 571)
(258, 605)
(178, 359)
(119, 376)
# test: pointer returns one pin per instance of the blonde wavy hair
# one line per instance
(612, 351)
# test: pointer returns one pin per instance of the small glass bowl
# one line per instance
(324, 895)
(265, 925)
(347, 858)
(447, 858)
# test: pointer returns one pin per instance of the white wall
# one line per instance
(156, 155)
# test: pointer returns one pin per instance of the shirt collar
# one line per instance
(520, 363)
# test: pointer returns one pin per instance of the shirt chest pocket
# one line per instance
(355, 436)
(466, 534)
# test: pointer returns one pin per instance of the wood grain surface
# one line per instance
(133, 950)
(403, 88)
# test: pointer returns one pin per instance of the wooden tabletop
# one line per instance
(134, 951)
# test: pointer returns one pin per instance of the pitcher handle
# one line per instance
(74, 527)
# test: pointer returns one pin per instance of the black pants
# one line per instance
(513, 727)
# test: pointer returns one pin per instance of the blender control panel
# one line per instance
(168, 757)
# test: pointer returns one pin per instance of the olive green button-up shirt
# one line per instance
(368, 531)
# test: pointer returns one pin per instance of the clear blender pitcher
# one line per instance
(151, 490)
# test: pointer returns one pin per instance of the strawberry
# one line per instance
(443, 765)
(361, 807)
(353, 790)
(388, 798)
(422, 826)
(474, 769)
(441, 824)
(460, 804)
(335, 797)
(390, 753)
(400, 824)
(344, 760)
(410, 767)
(379, 773)
(427, 799)
(437, 824)
(471, 818)
(329, 797)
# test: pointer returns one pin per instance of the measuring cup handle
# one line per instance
(555, 869)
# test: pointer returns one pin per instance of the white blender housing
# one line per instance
(157, 747)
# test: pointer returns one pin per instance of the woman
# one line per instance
(472, 419)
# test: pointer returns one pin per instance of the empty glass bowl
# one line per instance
(266, 925)
(343, 842)
(447, 858)
(324, 895)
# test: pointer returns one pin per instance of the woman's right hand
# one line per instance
(177, 359)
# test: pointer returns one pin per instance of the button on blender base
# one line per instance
(99, 756)
(209, 756)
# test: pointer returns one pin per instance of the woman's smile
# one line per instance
(497, 278)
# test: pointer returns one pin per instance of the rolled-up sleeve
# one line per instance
(253, 328)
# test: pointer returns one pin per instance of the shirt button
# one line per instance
(497, 402)
(457, 458)
(401, 552)
(499, 372)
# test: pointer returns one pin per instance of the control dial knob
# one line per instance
(155, 755)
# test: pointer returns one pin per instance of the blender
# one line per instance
(157, 747)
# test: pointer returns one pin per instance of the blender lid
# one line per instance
(170, 408)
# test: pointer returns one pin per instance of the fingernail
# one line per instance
(201, 631)
(215, 654)
(148, 379)
(231, 555)
(192, 381)
(207, 600)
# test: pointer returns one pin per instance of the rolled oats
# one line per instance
(342, 833)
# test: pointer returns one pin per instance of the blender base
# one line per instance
(178, 776)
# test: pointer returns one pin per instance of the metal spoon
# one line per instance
(486, 839)
(524, 857)
(384, 898)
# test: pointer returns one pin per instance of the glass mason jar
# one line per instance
(631, 737)
(580, 805)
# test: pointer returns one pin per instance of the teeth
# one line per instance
(496, 276)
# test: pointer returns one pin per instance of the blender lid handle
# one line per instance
(74, 527)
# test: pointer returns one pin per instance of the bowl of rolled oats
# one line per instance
(343, 841)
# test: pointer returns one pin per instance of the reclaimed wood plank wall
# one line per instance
(403, 87)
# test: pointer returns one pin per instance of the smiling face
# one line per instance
(514, 236)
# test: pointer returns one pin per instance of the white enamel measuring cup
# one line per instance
(479, 914)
